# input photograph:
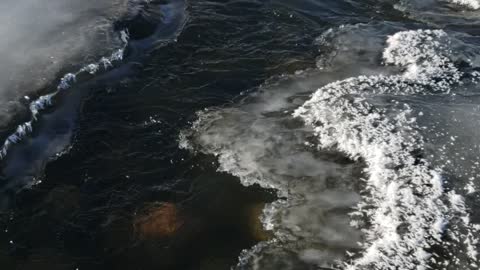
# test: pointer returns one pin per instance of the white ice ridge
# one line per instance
(473, 4)
(406, 206)
(65, 83)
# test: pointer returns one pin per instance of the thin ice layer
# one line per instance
(40, 39)
(65, 83)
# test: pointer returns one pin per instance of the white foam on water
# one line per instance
(65, 83)
(407, 207)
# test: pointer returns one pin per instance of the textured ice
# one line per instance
(473, 4)
(407, 205)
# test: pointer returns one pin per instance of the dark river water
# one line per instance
(242, 134)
